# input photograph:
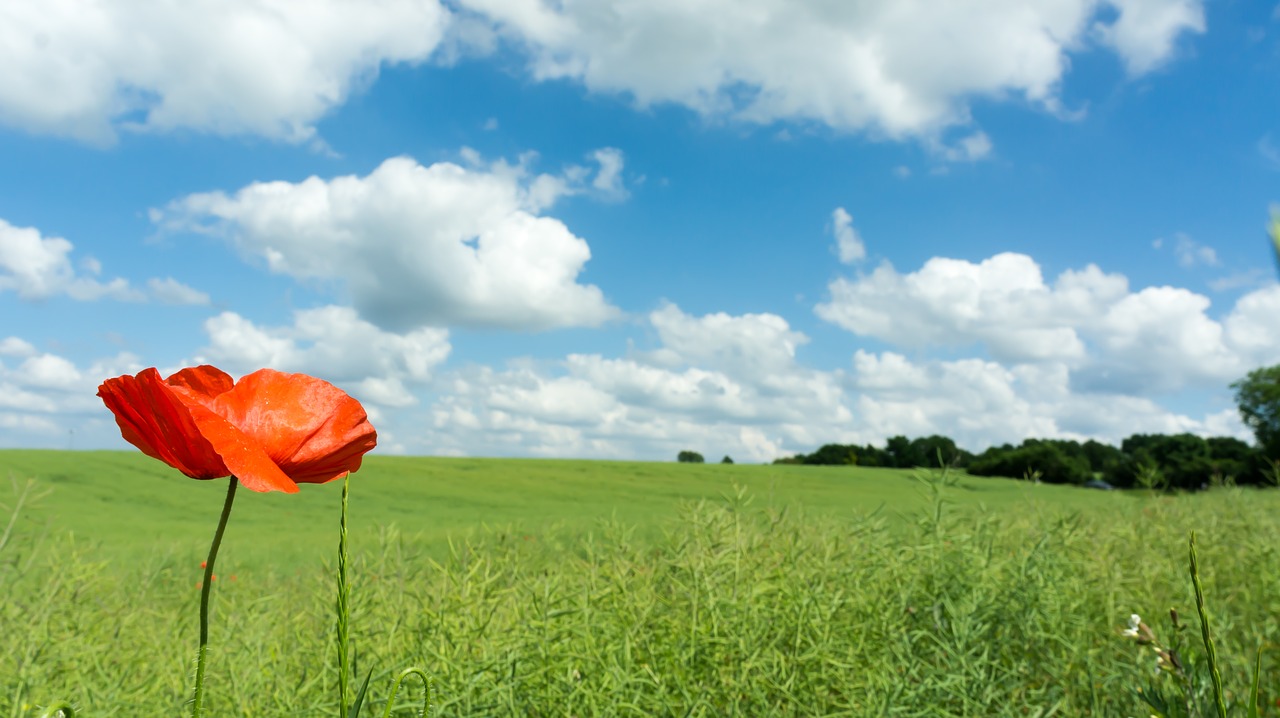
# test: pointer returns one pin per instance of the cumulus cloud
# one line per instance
(1157, 339)
(726, 384)
(16, 347)
(86, 71)
(252, 67)
(1001, 302)
(730, 382)
(980, 403)
(37, 267)
(45, 396)
(849, 246)
(755, 346)
(418, 246)
(334, 343)
(899, 69)
(1145, 30)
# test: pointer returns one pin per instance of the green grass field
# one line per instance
(577, 588)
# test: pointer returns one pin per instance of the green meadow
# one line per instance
(580, 588)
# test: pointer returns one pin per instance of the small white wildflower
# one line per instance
(1132, 631)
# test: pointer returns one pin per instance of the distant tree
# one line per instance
(1042, 459)
(833, 455)
(1102, 458)
(898, 449)
(797, 459)
(1234, 458)
(726, 460)
(1185, 461)
(926, 451)
(690, 457)
(1258, 396)
(871, 456)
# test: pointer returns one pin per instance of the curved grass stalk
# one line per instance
(426, 690)
(61, 709)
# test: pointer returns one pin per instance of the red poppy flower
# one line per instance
(271, 430)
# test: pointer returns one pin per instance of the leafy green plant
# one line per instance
(1196, 676)
(798, 597)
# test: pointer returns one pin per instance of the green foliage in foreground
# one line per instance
(727, 607)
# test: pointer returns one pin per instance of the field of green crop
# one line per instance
(577, 588)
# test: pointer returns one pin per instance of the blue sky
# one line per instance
(621, 229)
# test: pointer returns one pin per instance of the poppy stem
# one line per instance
(344, 598)
(204, 597)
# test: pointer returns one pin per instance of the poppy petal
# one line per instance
(152, 417)
(201, 383)
(313, 430)
(243, 455)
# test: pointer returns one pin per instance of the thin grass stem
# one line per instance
(1212, 654)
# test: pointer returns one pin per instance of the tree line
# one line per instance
(1158, 461)
(1178, 461)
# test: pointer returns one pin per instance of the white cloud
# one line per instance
(16, 347)
(1002, 302)
(902, 69)
(47, 396)
(171, 291)
(849, 246)
(1158, 339)
(718, 383)
(48, 371)
(334, 343)
(968, 149)
(608, 180)
(758, 346)
(704, 389)
(1190, 253)
(980, 403)
(417, 246)
(1250, 328)
(1146, 30)
(1255, 277)
(37, 267)
(87, 70)
(899, 69)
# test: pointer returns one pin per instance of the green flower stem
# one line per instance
(204, 597)
(344, 596)
(1214, 673)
